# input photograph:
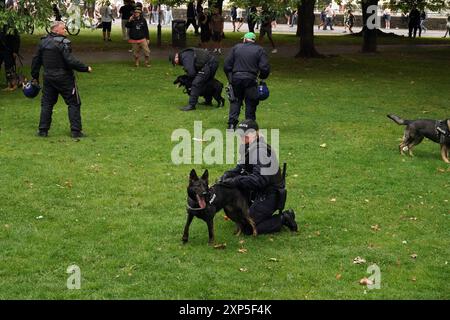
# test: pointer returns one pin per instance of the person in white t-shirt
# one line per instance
(107, 19)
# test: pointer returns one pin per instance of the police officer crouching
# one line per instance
(200, 66)
(258, 175)
(55, 54)
(245, 63)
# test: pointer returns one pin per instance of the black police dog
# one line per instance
(436, 130)
(213, 89)
(204, 202)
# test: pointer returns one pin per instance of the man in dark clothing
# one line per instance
(258, 176)
(9, 50)
(244, 64)
(191, 16)
(200, 66)
(414, 22)
(55, 55)
(126, 11)
(251, 18)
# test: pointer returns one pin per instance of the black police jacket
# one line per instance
(193, 60)
(247, 61)
(55, 54)
(258, 169)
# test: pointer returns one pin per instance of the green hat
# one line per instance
(250, 36)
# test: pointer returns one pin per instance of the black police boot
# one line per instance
(42, 134)
(288, 220)
(77, 134)
(188, 108)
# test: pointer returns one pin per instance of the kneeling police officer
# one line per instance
(200, 66)
(258, 175)
(55, 54)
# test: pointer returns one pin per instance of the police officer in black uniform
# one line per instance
(55, 54)
(245, 63)
(200, 66)
(258, 173)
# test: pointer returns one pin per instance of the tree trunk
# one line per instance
(369, 30)
(306, 29)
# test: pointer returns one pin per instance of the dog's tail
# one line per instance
(398, 120)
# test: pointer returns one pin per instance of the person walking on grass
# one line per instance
(217, 22)
(330, 14)
(266, 27)
(107, 19)
(55, 55)
(447, 27)
(139, 36)
(233, 16)
(239, 18)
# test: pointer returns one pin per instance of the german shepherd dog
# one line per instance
(436, 130)
(212, 89)
(204, 202)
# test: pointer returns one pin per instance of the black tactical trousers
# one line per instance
(66, 87)
(205, 75)
(261, 211)
(244, 90)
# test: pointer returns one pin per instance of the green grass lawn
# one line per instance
(114, 204)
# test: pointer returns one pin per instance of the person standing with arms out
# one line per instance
(55, 55)
(107, 19)
(244, 64)
(200, 66)
(126, 11)
(217, 22)
(139, 36)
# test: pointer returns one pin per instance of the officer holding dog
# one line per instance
(55, 55)
(259, 174)
(200, 66)
(246, 62)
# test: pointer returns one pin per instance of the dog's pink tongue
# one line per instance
(201, 202)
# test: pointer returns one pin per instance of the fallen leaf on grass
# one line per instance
(242, 250)
(414, 255)
(243, 269)
(338, 276)
(273, 260)
(220, 246)
(323, 145)
(375, 227)
(359, 260)
(39, 217)
(365, 282)
(241, 241)
(333, 200)
(317, 233)
(413, 279)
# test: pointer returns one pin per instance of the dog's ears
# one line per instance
(193, 175)
(205, 175)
